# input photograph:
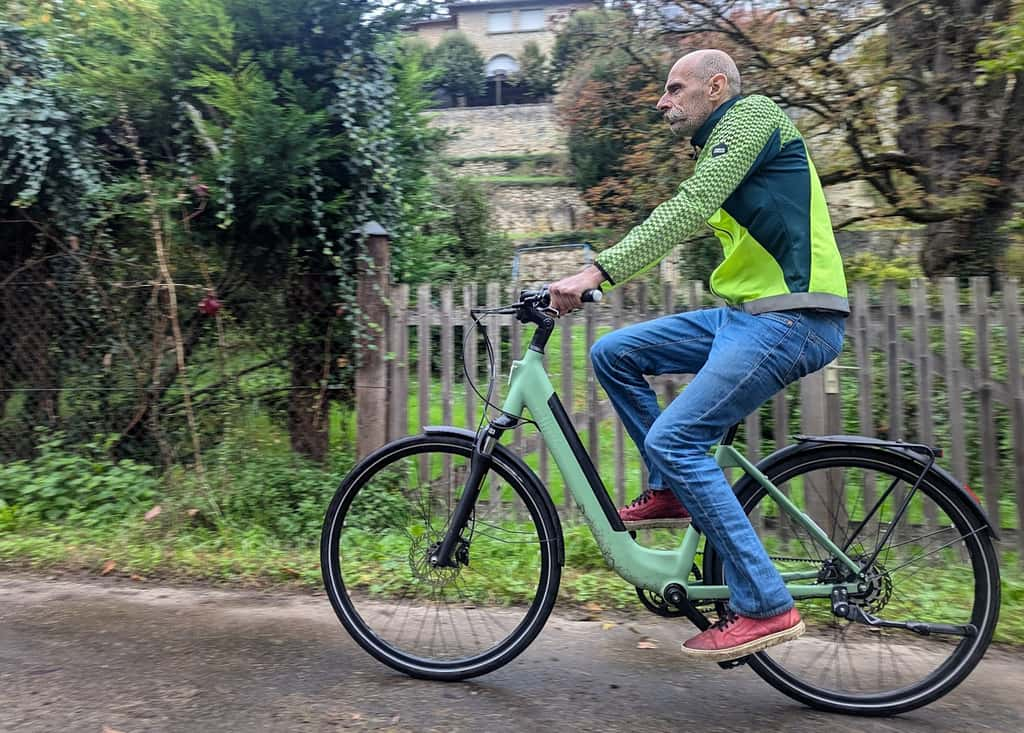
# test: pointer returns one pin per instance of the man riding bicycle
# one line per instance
(783, 280)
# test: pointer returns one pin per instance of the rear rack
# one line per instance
(921, 448)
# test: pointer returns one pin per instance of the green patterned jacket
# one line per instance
(755, 185)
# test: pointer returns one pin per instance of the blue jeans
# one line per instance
(740, 360)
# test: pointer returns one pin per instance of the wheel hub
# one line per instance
(424, 569)
(877, 584)
(874, 586)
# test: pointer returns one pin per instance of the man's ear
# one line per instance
(718, 83)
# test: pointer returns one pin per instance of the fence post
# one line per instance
(1015, 384)
(371, 374)
(814, 421)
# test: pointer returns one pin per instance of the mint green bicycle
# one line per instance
(889, 558)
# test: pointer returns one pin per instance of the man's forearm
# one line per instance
(651, 240)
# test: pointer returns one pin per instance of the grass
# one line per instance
(253, 558)
(241, 557)
(598, 236)
(549, 158)
(523, 180)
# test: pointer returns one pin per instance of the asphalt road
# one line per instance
(88, 655)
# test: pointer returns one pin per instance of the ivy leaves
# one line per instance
(44, 158)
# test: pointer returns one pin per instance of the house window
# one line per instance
(531, 20)
(500, 22)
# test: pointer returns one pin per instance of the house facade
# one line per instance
(500, 28)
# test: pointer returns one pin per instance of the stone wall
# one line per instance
(507, 130)
(856, 198)
(518, 209)
(885, 243)
(537, 266)
(478, 168)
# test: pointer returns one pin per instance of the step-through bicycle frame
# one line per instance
(651, 569)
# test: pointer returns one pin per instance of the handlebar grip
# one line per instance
(595, 295)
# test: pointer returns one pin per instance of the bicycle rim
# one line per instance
(938, 566)
(448, 623)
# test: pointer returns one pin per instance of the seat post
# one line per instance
(727, 440)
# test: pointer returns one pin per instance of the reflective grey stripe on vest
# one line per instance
(793, 301)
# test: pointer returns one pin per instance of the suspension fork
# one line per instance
(480, 462)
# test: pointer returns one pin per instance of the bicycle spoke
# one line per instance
(937, 549)
(918, 546)
(439, 613)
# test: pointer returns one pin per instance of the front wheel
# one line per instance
(938, 566)
(447, 623)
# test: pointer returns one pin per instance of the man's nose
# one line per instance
(663, 104)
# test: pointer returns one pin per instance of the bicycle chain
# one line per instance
(794, 559)
(782, 558)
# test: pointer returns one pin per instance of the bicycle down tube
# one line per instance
(644, 567)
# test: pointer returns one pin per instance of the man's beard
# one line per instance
(679, 124)
(685, 123)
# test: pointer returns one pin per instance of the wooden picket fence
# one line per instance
(933, 347)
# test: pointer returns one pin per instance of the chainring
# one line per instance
(654, 603)
(657, 605)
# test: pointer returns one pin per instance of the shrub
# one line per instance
(534, 72)
(258, 482)
(459, 66)
(80, 484)
(869, 267)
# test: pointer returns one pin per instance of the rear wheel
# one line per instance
(449, 623)
(938, 567)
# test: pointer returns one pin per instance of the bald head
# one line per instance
(697, 84)
(705, 63)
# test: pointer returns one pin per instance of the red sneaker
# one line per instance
(655, 509)
(737, 636)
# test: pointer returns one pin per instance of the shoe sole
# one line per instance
(652, 523)
(744, 650)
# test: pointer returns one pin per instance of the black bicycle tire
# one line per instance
(986, 614)
(447, 670)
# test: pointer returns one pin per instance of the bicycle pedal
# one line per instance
(730, 664)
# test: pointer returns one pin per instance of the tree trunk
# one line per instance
(966, 246)
(36, 330)
(307, 409)
(955, 130)
(308, 305)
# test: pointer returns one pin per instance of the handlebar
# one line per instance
(542, 298)
(534, 307)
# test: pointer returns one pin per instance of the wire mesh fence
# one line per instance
(87, 358)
